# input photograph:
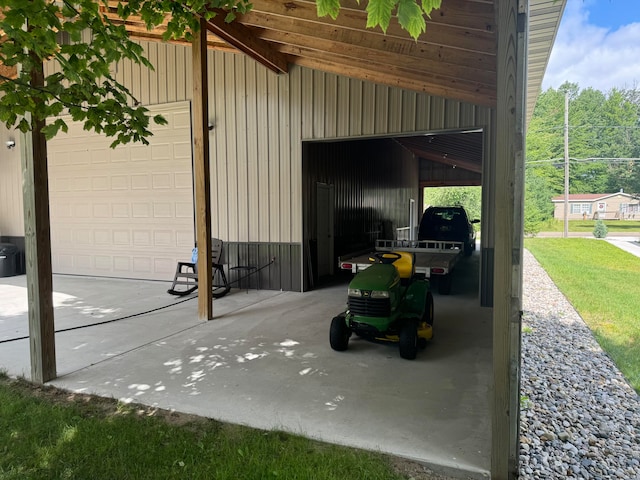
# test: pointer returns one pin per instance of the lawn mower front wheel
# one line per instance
(409, 340)
(339, 334)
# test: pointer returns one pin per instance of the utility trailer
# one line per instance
(432, 258)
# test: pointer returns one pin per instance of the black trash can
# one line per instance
(8, 260)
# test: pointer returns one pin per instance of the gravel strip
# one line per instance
(580, 418)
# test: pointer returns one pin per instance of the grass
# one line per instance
(613, 226)
(47, 433)
(601, 282)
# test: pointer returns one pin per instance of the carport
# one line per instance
(479, 67)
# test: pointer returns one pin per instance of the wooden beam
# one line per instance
(447, 160)
(201, 172)
(511, 17)
(407, 78)
(463, 14)
(37, 238)
(345, 45)
(244, 40)
(451, 183)
(440, 33)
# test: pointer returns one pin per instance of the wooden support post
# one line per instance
(201, 172)
(38, 254)
(511, 21)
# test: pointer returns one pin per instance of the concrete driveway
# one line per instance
(265, 361)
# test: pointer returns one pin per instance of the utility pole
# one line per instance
(566, 164)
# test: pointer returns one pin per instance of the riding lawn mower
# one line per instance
(387, 302)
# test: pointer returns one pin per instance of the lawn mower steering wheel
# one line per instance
(386, 257)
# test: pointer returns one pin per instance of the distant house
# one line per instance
(618, 206)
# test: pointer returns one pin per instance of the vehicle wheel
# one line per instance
(468, 249)
(409, 340)
(444, 284)
(339, 334)
(427, 317)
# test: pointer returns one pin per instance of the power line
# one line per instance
(561, 128)
(585, 160)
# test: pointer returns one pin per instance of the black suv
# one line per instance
(448, 224)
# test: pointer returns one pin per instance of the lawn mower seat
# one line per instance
(405, 265)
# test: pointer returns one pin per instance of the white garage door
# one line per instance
(124, 212)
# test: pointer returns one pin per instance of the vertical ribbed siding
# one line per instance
(260, 120)
(254, 179)
(11, 218)
(339, 107)
(374, 181)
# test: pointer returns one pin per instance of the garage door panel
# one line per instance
(125, 212)
(100, 183)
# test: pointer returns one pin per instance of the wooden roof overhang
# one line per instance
(455, 58)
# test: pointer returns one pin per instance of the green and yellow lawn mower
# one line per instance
(387, 302)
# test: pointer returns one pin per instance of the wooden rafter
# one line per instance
(242, 38)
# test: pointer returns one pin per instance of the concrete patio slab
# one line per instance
(265, 361)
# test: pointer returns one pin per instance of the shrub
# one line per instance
(600, 230)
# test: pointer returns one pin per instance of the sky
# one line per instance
(598, 46)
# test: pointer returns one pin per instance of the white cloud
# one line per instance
(593, 56)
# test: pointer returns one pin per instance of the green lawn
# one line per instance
(602, 282)
(46, 433)
(613, 226)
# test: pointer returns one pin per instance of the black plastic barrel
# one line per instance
(8, 260)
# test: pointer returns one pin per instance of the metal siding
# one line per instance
(263, 155)
(162, 73)
(295, 146)
(217, 153)
(233, 186)
(11, 203)
(343, 100)
(144, 77)
(260, 121)
(381, 113)
(272, 180)
(172, 72)
(319, 104)
(452, 114)
(282, 274)
(373, 180)
(437, 113)
(408, 111)
(331, 106)
(423, 112)
(368, 108)
(284, 198)
(355, 105)
(242, 149)
(306, 103)
(252, 152)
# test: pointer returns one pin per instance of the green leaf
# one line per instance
(410, 18)
(160, 120)
(429, 5)
(328, 7)
(379, 13)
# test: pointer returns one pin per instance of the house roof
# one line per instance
(589, 197)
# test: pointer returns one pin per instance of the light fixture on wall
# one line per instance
(10, 144)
